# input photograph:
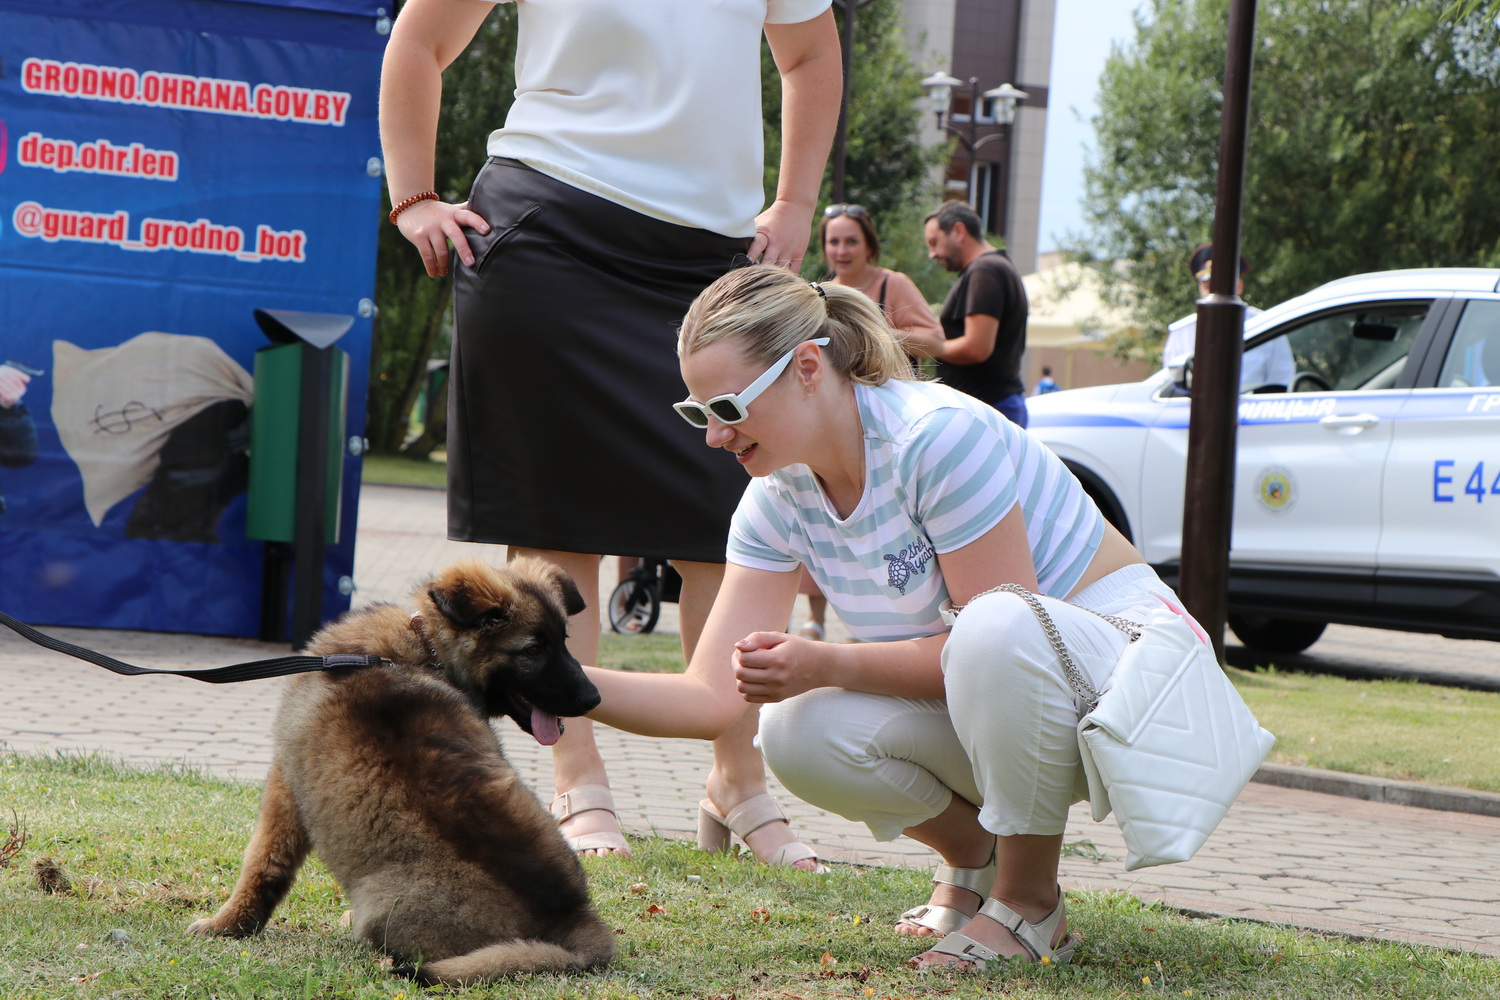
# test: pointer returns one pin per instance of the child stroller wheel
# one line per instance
(634, 605)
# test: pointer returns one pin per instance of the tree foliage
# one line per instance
(1463, 8)
(887, 169)
(1373, 137)
(411, 326)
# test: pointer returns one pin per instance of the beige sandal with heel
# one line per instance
(945, 919)
(744, 819)
(587, 798)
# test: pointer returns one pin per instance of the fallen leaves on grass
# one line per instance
(15, 839)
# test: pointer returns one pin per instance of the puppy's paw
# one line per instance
(217, 926)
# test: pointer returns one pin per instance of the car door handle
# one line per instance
(1350, 424)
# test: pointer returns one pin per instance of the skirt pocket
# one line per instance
(501, 232)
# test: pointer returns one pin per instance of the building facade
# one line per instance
(993, 42)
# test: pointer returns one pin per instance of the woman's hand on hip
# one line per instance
(781, 234)
(774, 666)
(430, 225)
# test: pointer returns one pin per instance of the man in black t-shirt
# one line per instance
(984, 315)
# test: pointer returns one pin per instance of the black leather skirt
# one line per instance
(561, 433)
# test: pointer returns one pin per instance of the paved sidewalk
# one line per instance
(1284, 855)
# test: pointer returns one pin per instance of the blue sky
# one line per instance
(1083, 31)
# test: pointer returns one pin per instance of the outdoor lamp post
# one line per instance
(939, 87)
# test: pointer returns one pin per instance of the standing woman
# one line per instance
(903, 498)
(627, 177)
(851, 246)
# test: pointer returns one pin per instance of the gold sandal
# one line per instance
(945, 919)
(1036, 939)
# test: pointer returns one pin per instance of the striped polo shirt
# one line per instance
(941, 469)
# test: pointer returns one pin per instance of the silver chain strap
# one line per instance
(1085, 690)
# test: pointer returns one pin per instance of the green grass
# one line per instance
(1383, 728)
(393, 470)
(147, 851)
(648, 653)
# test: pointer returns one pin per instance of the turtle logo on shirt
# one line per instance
(909, 562)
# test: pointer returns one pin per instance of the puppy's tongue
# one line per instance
(546, 727)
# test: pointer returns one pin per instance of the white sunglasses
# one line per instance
(734, 407)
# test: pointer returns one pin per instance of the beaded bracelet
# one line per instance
(408, 203)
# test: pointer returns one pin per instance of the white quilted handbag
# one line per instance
(1169, 744)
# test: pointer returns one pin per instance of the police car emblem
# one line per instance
(1276, 491)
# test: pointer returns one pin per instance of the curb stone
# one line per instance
(1359, 786)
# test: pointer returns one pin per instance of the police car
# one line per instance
(1367, 491)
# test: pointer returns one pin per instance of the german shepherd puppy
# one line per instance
(394, 776)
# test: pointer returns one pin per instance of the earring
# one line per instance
(809, 387)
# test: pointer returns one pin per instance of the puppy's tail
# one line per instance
(589, 944)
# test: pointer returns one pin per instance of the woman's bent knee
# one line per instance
(887, 762)
(989, 633)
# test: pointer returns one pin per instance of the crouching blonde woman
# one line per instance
(903, 499)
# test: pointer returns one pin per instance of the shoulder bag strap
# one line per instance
(1075, 676)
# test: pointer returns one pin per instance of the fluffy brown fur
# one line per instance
(395, 777)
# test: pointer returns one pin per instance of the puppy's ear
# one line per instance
(573, 601)
(457, 603)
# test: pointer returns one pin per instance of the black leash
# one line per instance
(252, 671)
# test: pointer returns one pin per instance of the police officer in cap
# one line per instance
(1270, 364)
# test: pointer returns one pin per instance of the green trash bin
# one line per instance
(274, 423)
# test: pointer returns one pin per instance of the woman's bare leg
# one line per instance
(960, 841)
(738, 773)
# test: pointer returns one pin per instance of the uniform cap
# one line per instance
(1202, 262)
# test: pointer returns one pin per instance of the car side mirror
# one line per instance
(1179, 379)
(1386, 333)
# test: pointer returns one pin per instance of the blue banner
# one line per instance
(167, 167)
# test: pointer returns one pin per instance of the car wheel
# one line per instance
(1275, 635)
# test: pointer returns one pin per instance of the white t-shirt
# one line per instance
(652, 104)
(942, 468)
(1270, 363)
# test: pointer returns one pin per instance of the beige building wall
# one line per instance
(1030, 134)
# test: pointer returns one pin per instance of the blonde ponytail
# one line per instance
(769, 310)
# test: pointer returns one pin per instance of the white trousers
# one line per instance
(1005, 738)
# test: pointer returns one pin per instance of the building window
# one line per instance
(984, 194)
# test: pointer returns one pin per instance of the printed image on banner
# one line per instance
(162, 178)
